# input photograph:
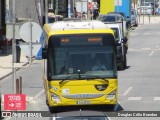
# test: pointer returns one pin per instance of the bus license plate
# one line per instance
(83, 102)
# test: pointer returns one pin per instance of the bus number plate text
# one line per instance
(83, 102)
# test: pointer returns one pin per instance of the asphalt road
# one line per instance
(138, 85)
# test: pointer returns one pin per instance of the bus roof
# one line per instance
(76, 27)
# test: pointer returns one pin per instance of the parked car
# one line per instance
(134, 18)
(145, 9)
(122, 46)
(128, 22)
(113, 18)
(80, 115)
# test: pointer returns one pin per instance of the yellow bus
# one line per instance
(70, 51)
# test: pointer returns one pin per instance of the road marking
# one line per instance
(147, 33)
(158, 33)
(39, 94)
(133, 34)
(127, 91)
(156, 98)
(146, 48)
(151, 53)
(29, 99)
(134, 98)
(157, 46)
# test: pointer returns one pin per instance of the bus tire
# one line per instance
(112, 107)
(53, 109)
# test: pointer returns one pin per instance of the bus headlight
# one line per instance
(111, 95)
(55, 97)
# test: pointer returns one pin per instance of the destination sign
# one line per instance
(80, 41)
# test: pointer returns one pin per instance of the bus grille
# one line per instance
(79, 96)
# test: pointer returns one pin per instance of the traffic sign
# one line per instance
(14, 102)
(30, 30)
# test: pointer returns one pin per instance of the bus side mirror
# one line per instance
(44, 53)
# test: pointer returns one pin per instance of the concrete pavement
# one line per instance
(6, 64)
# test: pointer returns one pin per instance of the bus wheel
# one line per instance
(53, 109)
(112, 107)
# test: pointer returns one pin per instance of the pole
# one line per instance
(87, 11)
(154, 9)
(144, 11)
(56, 11)
(13, 47)
(81, 9)
(30, 40)
(69, 9)
(20, 85)
(46, 11)
(52, 4)
(17, 86)
(140, 10)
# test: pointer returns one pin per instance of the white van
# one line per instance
(121, 43)
(134, 18)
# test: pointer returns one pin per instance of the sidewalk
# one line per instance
(148, 19)
(6, 61)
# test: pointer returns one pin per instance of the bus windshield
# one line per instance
(88, 56)
(70, 60)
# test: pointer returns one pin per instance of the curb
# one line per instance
(8, 74)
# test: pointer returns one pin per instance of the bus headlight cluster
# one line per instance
(111, 95)
(55, 97)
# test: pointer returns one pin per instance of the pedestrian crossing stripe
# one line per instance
(134, 98)
(156, 98)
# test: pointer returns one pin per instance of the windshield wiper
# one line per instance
(82, 77)
(89, 77)
(67, 78)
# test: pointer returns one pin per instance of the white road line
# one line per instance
(147, 33)
(151, 53)
(146, 48)
(127, 91)
(156, 98)
(39, 94)
(134, 98)
(158, 33)
(133, 34)
(157, 46)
